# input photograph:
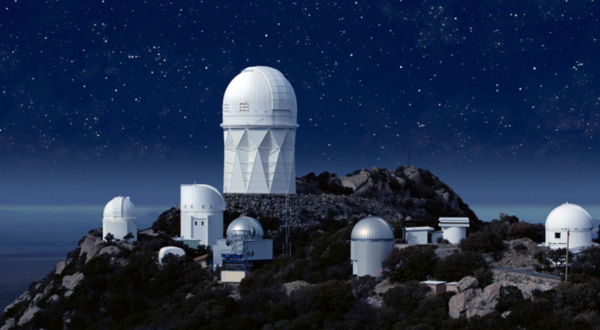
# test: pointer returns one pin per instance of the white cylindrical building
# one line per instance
(244, 242)
(119, 218)
(454, 229)
(570, 218)
(371, 241)
(170, 250)
(259, 124)
(202, 209)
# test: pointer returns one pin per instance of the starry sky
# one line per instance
(499, 98)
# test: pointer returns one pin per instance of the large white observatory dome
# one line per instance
(371, 241)
(372, 228)
(119, 218)
(250, 227)
(119, 208)
(569, 217)
(201, 197)
(568, 221)
(259, 96)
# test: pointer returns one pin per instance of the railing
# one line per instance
(527, 272)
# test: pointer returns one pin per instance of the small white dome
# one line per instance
(170, 250)
(252, 228)
(119, 208)
(569, 217)
(372, 229)
(260, 96)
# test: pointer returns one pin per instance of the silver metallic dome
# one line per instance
(247, 226)
(372, 228)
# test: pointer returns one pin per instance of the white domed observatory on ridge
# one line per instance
(259, 124)
(119, 218)
(371, 242)
(572, 219)
(202, 209)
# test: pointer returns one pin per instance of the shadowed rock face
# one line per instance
(471, 300)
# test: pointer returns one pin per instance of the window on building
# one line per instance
(556, 235)
(203, 207)
(225, 107)
(244, 107)
(203, 223)
(195, 223)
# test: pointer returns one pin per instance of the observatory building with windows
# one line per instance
(243, 247)
(259, 126)
(371, 241)
(202, 209)
(569, 221)
(119, 218)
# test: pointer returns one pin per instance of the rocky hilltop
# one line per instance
(406, 195)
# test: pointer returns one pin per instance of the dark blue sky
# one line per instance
(102, 98)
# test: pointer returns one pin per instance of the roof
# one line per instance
(203, 194)
(570, 217)
(372, 229)
(419, 229)
(260, 96)
(250, 227)
(119, 208)
(454, 222)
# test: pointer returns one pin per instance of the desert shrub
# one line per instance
(588, 262)
(482, 242)
(413, 263)
(509, 295)
(406, 297)
(458, 265)
(534, 232)
(497, 227)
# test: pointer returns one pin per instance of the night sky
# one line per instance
(500, 99)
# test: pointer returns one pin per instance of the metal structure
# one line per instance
(243, 246)
(259, 126)
(202, 208)
(371, 241)
(119, 218)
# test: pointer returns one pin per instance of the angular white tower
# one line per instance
(119, 218)
(202, 209)
(259, 124)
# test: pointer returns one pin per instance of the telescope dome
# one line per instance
(247, 226)
(372, 229)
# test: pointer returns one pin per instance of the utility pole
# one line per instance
(567, 263)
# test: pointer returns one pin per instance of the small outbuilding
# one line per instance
(371, 241)
(119, 219)
(454, 229)
(421, 235)
(170, 250)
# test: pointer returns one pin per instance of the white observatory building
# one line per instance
(119, 218)
(202, 209)
(170, 250)
(454, 229)
(573, 219)
(371, 241)
(243, 246)
(259, 124)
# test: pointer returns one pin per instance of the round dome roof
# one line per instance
(259, 96)
(119, 208)
(251, 228)
(569, 217)
(170, 250)
(372, 229)
(202, 194)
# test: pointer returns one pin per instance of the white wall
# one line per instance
(455, 234)
(367, 257)
(416, 237)
(577, 238)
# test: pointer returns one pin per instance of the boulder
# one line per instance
(293, 286)
(37, 297)
(53, 298)
(91, 245)
(474, 301)
(23, 297)
(189, 296)
(60, 267)
(9, 324)
(457, 306)
(71, 281)
(110, 250)
(466, 283)
(28, 315)
(413, 174)
(356, 181)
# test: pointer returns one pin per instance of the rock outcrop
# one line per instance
(472, 300)
(90, 246)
